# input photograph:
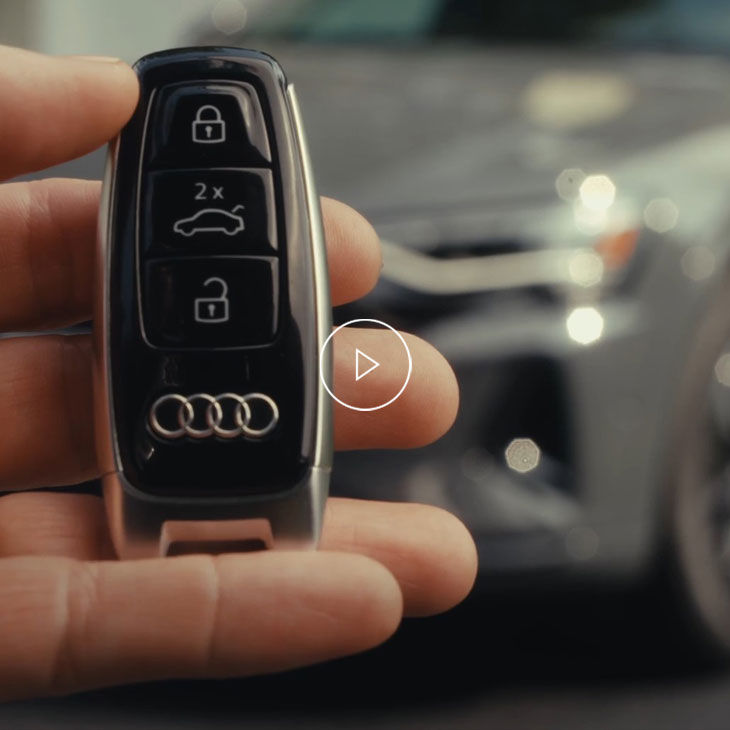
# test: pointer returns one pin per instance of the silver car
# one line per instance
(551, 182)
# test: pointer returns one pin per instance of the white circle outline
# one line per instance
(396, 333)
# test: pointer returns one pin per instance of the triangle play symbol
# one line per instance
(359, 357)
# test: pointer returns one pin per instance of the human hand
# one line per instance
(72, 616)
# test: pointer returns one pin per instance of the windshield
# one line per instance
(690, 24)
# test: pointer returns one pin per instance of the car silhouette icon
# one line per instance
(211, 220)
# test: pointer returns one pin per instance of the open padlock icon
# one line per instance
(208, 125)
(212, 310)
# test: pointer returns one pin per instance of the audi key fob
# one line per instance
(213, 426)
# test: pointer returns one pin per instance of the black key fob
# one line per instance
(213, 426)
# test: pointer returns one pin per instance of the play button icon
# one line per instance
(361, 348)
(364, 364)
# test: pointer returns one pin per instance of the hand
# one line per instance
(72, 617)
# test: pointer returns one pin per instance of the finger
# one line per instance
(58, 108)
(68, 625)
(428, 550)
(353, 252)
(48, 235)
(45, 386)
(424, 410)
(47, 239)
(46, 523)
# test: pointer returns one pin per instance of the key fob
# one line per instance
(212, 304)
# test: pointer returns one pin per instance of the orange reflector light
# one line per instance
(617, 249)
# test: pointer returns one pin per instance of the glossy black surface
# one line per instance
(206, 211)
(208, 124)
(284, 369)
(222, 301)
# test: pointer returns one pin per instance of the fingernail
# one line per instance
(95, 59)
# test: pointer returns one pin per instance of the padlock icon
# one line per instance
(213, 310)
(208, 125)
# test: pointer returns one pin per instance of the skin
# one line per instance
(72, 616)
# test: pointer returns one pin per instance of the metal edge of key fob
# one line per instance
(146, 519)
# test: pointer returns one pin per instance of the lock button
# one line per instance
(208, 124)
(219, 301)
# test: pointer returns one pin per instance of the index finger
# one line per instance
(57, 108)
(68, 625)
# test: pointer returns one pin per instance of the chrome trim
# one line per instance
(208, 431)
(324, 434)
(154, 420)
(270, 426)
(105, 435)
(241, 421)
(142, 526)
(474, 274)
(138, 215)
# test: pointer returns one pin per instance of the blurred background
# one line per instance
(551, 184)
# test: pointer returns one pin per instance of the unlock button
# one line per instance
(213, 310)
(220, 301)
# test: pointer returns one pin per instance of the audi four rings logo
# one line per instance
(201, 415)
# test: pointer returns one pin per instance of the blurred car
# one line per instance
(551, 182)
